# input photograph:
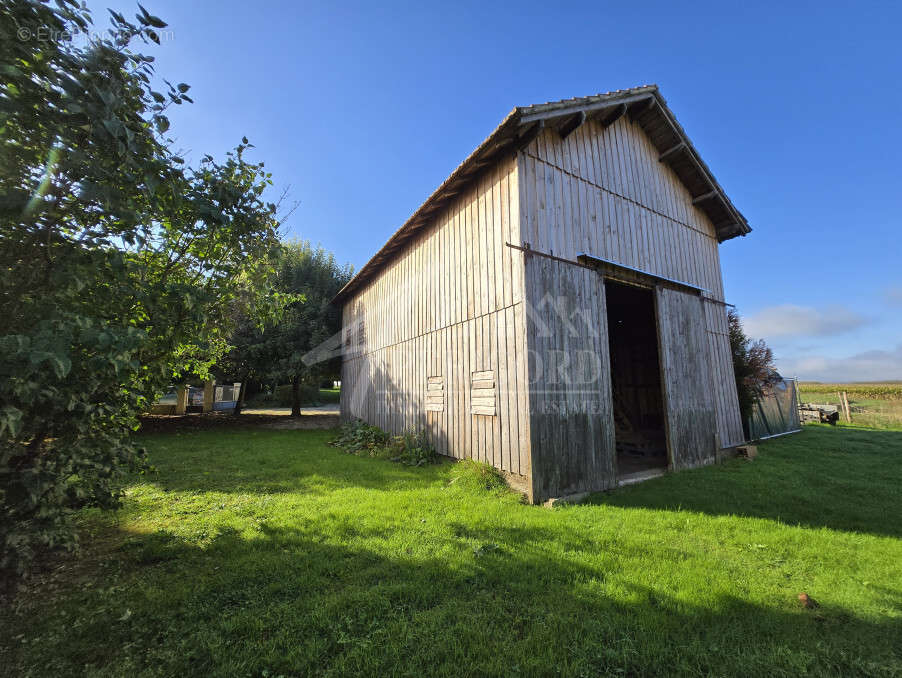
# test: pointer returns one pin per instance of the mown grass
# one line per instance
(265, 553)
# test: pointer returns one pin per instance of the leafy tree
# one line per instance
(121, 265)
(753, 367)
(310, 277)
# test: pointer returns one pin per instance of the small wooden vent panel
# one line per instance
(435, 394)
(482, 393)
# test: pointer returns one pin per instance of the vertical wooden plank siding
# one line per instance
(455, 301)
(447, 305)
(570, 414)
(686, 378)
(604, 192)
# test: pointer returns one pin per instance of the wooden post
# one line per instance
(846, 409)
(181, 399)
(209, 392)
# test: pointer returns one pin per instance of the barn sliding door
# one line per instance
(571, 419)
(686, 378)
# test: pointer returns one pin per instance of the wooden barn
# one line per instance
(556, 308)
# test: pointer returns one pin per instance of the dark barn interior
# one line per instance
(635, 379)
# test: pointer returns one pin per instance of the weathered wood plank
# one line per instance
(648, 218)
(483, 410)
(686, 377)
(571, 420)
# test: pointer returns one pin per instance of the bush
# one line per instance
(122, 266)
(309, 395)
(261, 400)
(281, 397)
(330, 395)
(358, 437)
(410, 448)
(753, 368)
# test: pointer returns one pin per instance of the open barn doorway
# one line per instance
(638, 399)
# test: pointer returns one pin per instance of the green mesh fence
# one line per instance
(776, 412)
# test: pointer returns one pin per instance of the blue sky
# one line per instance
(361, 110)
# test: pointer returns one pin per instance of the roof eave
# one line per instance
(644, 105)
(503, 139)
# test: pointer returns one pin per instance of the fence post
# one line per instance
(209, 392)
(181, 399)
(842, 406)
(846, 408)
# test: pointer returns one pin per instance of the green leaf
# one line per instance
(10, 421)
(156, 22)
(151, 182)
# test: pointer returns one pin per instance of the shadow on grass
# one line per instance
(261, 461)
(840, 478)
(287, 602)
(244, 460)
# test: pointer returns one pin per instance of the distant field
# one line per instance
(878, 405)
(891, 390)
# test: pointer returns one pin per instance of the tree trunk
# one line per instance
(239, 403)
(296, 397)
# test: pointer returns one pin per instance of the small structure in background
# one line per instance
(226, 396)
(827, 413)
(776, 411)
(823, 414)
(207, 398)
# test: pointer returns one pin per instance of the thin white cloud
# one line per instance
(893, 295)
(789, 320)
(873, 365)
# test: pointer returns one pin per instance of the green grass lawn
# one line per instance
(330, 395)
(267, 553)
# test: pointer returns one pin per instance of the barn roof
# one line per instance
(644, 105)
